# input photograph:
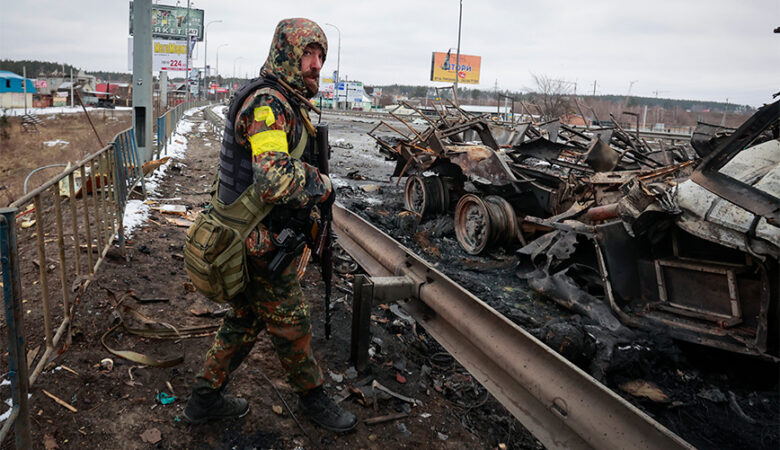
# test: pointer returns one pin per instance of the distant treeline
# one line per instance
(466, 95)
(486, 96)
(37, 69)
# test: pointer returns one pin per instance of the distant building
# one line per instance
(12, 91)
(122, 91)
(573, 119)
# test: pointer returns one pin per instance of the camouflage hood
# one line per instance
(290, 39)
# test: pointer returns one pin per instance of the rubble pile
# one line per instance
(632, 232)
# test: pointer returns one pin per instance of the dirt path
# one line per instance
(116, 407)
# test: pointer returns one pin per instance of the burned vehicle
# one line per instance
(609, 225)
(694, 257)
(490, 175)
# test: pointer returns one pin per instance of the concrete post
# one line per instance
(142, 78)
(24, 86)
(71, 88)
(163, 90)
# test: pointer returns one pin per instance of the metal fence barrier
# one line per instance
(70, 223)
(166, 125)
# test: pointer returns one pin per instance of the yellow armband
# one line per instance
(268, 141)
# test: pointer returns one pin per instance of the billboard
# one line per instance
(349, 91)
(166, 55)
(170, 22)
(443, 68)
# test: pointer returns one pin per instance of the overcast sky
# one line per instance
(691, 49)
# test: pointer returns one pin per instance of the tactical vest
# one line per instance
(235, 162)
(214, 253)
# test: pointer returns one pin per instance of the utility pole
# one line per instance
(71, 87)
(628, 94)
(338, 65)
(594, 88)
(206, 57)
(142, 78)
(457, 56)
(24, 86)
(187, 63)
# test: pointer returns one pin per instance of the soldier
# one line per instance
(268, 133)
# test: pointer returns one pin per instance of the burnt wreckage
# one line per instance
(625, 229)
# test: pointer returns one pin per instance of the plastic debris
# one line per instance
(165, 399)
(337, 377)
(646, 389)
(151, 436)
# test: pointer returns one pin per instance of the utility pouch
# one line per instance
(215, 259)
(214, 251)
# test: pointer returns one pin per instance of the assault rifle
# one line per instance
(323, 247)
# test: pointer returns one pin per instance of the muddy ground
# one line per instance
(62, 138)
(116, 407)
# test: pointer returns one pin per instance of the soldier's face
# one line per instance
(311, 63)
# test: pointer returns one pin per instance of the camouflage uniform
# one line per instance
(266, 126)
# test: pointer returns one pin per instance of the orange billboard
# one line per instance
(443, 68)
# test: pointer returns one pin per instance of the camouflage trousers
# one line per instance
(278, 305)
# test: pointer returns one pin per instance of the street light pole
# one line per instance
(206, 56)
(234, 65)
(187, 63)
(457, 56)
(223, 45)
(338, 59)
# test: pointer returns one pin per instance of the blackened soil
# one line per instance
(715, 399)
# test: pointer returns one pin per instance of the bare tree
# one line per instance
(552, 96)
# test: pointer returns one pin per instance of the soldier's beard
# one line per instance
(312, 81)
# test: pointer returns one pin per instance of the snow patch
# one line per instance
(10, 404)
(220, 111)
(56, 142)
(136, 212)
(59, 110)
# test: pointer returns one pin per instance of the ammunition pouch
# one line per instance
(214, 250)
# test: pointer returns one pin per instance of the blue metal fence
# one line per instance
(96, 190)
(166, 125)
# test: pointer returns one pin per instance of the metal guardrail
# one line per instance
(556, 401)
(216, 121)
(88, 220)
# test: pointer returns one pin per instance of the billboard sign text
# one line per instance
(170, 22)
(443, 68)
(166, 55)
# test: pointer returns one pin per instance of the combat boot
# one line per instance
(213, 406)
(323, 411)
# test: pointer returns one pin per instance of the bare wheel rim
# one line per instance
(472, 224)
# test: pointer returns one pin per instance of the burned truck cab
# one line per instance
(698, 257)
